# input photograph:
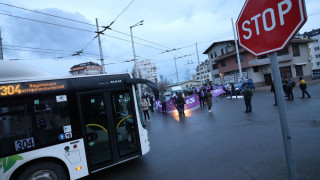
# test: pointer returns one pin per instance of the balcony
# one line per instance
(264, 61)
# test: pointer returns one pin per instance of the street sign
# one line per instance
(266, 26)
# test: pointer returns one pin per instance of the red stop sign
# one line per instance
(266, 26)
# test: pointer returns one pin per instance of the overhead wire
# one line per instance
(101, 32)
(46, 22)
(47, 14)
(79, 52)
(108, 27)
(123, 11)
(51, 51)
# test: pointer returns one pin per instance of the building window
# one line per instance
(227, 50)
(299, 71)
(316, 40)
(222, 52)
(256, 69)
(295, 50)
(215, 54)
(317, 55)
(316, 48)
(283, 52)
(318, 63)
(211, 55)
(223, 63)
(214, 66)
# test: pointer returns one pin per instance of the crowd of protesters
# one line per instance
(205, 96)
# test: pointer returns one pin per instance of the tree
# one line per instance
(162, 85)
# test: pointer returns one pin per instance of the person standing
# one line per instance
(289, 88)
(145, 107)
(180, 103)
(201, 97)
(303, 87)
(163, 103)
(209, 100)
(151, 102)
(284, 85)
(274, 93)
(233, 91)
(247, 94)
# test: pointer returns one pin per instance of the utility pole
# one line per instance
(176, 66)
(1, 51)
(175, 63)
(101, 54)
(236, 43)
(199, 64)
(135, 56)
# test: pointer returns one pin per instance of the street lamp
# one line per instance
(134, 54)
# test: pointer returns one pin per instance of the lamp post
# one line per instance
(134, 54)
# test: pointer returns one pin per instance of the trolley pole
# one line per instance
(101, 54)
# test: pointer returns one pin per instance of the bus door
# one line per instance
(125, 124)
(112, 132)
(98, 134)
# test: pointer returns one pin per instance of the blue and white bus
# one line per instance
(68, 128)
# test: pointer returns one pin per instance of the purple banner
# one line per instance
(217, 92)
(191, 101)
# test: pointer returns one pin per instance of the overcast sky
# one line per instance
(167, 24)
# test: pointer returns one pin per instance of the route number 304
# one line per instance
(24, 144)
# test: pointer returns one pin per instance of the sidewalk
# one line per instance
(265, 88)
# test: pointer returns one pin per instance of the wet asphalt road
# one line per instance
(228, 143)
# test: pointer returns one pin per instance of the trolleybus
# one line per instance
(68, 128)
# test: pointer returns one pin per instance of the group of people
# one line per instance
(288, 85)
(179, 103)
(205, 97)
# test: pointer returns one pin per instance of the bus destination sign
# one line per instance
(30, 88)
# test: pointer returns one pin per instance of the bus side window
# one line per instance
(52, 118)
(14, 121)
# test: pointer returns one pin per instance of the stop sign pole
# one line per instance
(265, 27)
(283, 116)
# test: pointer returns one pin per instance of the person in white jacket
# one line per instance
(145, 106)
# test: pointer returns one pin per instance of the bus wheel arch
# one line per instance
(41, 162)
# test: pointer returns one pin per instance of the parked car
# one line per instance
(239, 87)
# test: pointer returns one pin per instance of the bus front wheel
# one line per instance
(44, 171)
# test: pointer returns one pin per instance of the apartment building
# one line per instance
(203, 72)
(87, 68)
(293, 62)
(146, 70)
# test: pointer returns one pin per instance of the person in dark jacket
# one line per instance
(180, 104)
(289, 88)
(209, 99)
(274, 93)
(163, 103)
(247, 94)
(233, 91)
(284, 86)
(303, 87)
(151, 102)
